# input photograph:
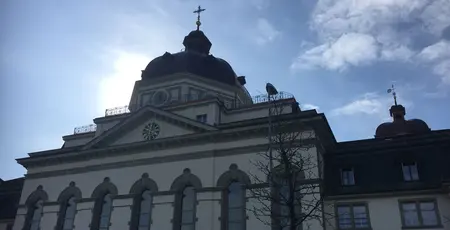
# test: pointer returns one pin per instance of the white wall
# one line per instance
(258, 111)
(125, 157)
(211, 109)
(385, 213)
(208, 208)
(77, 140)
(104, 126)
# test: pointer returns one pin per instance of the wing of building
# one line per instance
(398, 180)
(184, 155)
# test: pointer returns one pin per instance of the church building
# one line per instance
(182, 155)
(193, 150)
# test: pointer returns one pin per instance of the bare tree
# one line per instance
(289, 195)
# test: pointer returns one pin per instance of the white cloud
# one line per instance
(309, 107)
(440, 93)
(443, 69)
(438, 55)
(388, 29)
(368, 104)
(436, 16)
(349, 49)
(372, 104)
(436, 51)
(334, 17)
(266, 32)
(401, 52)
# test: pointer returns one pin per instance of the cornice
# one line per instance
(78, 136)
(104, 119)
(153, 160)
(384, 194)
(393, 146)
(254, 128)
(307, 116)
(412, 139)
(131, 148)
(162, 159)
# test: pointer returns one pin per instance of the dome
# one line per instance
(206, 66)
(414, 126)
(400, 126)
(195, 59)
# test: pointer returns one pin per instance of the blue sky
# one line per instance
(62, 63)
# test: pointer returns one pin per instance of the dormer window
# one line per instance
(410, 172)
(202, 118)
(347, 176)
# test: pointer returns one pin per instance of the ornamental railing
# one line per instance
(117, 111)
(229, 104)
(263, 98)
(85, 129)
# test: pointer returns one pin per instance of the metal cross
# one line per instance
(392, 91)
(198, 11)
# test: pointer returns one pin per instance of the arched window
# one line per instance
(185, 187)
(141, 212)
(145, 210)
(103, 195)
(105, 213)
(233, 201)
(37, 215)
(284, 198)
(69, 216)
(236, 206)
(187, 210)
(68, 207)
(35, 206)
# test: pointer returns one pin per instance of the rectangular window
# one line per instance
(347, 176)
(421, 213)
(202, 118)
(353, 216)
(410, 172)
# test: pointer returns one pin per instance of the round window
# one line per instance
(160, 97)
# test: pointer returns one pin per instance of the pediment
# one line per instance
(148, 124)
(152, 129)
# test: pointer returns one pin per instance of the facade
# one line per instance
(180, 156)
(398, 180)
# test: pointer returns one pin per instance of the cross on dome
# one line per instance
(198, 11)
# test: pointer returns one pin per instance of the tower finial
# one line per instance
(392, 91)
(198, 11)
